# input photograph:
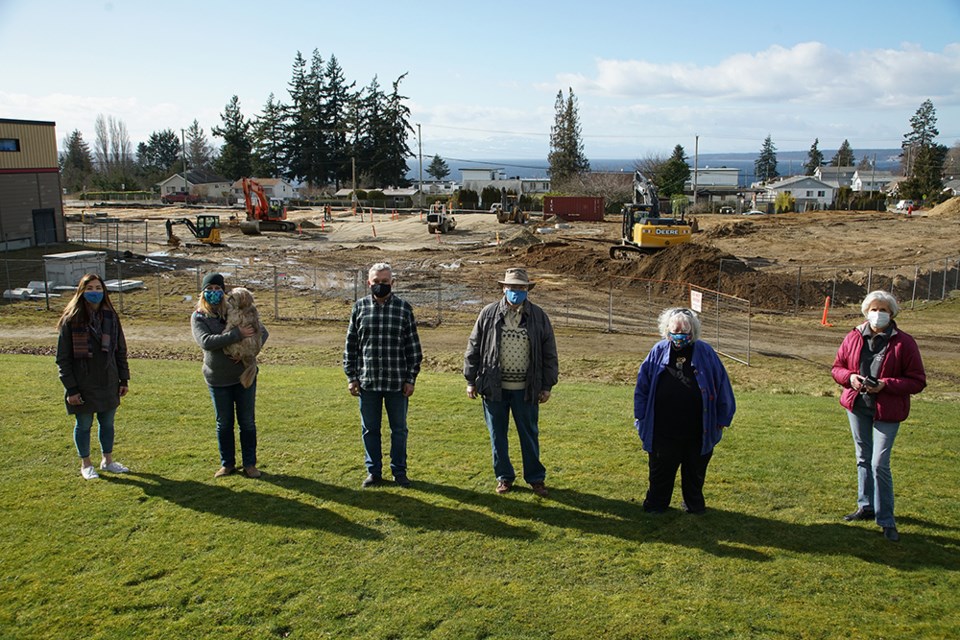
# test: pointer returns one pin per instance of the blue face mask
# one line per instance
(213, 296)
(514, 296)
(93, 297)
(680, 340)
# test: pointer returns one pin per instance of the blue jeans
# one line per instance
(873, 441)
(81, 432)
(525, 416)
(241, 402)
(371, 418)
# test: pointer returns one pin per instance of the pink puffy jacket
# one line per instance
(901, 371)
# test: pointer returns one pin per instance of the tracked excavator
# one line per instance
(644, 231)
(262, 214)
(206, 229)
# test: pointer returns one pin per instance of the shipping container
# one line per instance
(579, 208)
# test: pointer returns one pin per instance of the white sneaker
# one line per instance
(113, 467)
(89, 473)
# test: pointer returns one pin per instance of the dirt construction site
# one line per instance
(783, 265)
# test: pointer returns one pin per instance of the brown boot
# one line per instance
(224, 471)
(251, 472)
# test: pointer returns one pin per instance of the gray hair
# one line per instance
(687, 319)
(377, 268)
(882, 296)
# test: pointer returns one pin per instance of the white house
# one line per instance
(206, 184)
(273, 188)
(836, 177)
(871, 180)
(808, 192)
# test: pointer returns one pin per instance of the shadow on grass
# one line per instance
(259, 508)
(400, 504)
(718, 532)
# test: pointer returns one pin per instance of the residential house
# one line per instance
(478, 179)
(31, 199)
(273, 188)
(208, 185)
(715, 186)
(871, 180)
(952, 187)
(836, 177)
(808, 192)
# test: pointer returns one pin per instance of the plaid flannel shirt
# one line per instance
(382, 348)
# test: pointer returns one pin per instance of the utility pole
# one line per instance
(696, 159)
(420, 146)
(183, 152)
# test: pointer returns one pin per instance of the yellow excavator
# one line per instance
(206, 229)
(644, 231)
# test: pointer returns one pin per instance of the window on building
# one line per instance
(9, 144)
(821, 194)
(809, 194)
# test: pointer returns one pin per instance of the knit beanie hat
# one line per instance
(212, 278)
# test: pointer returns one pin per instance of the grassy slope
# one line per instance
(167, 551)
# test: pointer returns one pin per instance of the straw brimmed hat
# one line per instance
(517, 276)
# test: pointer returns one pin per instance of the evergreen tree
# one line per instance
(673, 175)
(566, 155)
(76, 162)
(923, 132)
(814, 158)
(235, 155)
(199, 150)
(865, 163)
(391, 131)
(337, 97)
(269, 142)
(438, 168)
(364, 113)
(844, 156)
(765, 166)
(159, 154)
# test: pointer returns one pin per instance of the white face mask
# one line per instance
(878, 319)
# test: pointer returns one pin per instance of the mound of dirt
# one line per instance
(949, 208)
(731, 230)
(522, 238)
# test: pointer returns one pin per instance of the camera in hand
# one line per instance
(870, 381)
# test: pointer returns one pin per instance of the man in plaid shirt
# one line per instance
(382, 359)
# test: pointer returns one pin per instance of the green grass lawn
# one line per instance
(168, 552)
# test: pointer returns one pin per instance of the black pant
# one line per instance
(667, 456)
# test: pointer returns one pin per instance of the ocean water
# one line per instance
(788, 163)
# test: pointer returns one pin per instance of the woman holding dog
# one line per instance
(231, 400)
(879, 367)
(92, 362)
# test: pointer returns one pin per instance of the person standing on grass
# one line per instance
(511, 362)
(222, 375)
(92, 362)
(879, 367)
(682, 403)
(381, 359)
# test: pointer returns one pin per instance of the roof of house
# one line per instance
(199, 176)
(798, 181)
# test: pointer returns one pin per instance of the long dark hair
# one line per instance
(76, 310)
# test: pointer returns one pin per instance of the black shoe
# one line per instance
(890, 533)
(862, 513)
(401, 479)
(648, 508)
(372, 481)
(696, 512)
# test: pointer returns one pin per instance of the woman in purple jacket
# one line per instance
(681, 405)
(879, 368)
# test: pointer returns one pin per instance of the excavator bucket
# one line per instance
(250, 227)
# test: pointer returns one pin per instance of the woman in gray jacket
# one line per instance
(92, 362)
(222, 374)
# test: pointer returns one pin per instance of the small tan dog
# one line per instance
(242, 311)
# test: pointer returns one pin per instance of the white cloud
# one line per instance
(807, 73)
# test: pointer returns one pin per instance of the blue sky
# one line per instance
(483, 77)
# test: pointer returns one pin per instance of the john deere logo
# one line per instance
(668, 232)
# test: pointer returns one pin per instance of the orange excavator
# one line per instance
(262, 215)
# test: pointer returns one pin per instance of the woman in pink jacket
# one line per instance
(879, 368)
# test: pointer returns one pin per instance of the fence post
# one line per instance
(929, 283)
(159, 296)
(796, 308)
(46, 285)
(146, 246)
(119, 281)
(913, 296)
(199, 279)
(719, 273)
(276, 295)
(610, 310)
(869, 279)
(439, 297)
(943, 293)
